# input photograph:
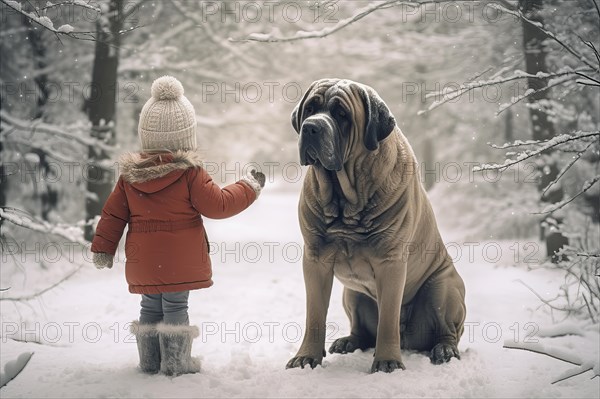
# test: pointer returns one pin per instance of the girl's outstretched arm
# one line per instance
(219, 203)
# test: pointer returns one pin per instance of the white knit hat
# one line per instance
(168, 119)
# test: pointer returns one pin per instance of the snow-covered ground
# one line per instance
(251, 322)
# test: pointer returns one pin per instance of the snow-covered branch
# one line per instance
(537, 25)
(23, 219)
(42, 147)
(42, 292)
(584, 255)
(597, 8)
(581, 366)
(568, 166)
(554, 207)
(74, 234)
(587, 69)
(545, 145)
(45, 22)
(78, 3)
(575, 371)
(12, 124)
(530, 92)
(596, 82)
(360, 14)
(548, 302)
(580, 291)
(449, 94)
(542, 350)
(39, 16)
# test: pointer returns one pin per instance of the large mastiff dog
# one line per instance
(366, 220)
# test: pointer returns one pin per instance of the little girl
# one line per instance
(161, 194)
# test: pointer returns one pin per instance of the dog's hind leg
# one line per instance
(363, 315)
(437, 317)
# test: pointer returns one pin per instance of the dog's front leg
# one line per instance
(318, 279)
(390, 278)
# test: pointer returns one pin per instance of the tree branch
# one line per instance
(37, 126)
(79, 3)
(46, 23)
(531, 92)
(535, 349)
(591, 46)
(588, 77)
(451, 94)
(565, 357)
(544, 301)
(597, 8)
(42, 292)
(360, 14)
(553, 142)
(71, 233)
(574, 372)
(586, 186)
(551, 35)
(30, 144)
(566, 168)
(587, 255)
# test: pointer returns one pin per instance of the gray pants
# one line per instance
(170, 308)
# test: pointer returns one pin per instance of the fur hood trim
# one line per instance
(139, 168)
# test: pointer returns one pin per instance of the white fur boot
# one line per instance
(176, 349)
(148, 346)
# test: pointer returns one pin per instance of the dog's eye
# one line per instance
(339, 112)
(309, 109)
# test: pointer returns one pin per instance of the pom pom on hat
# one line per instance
(166, 88)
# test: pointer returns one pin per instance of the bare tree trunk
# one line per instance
(38, 47)
(535, 61)
(542, 127)
(101, 107)
(48, 195)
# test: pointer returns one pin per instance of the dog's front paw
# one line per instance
(301, 361)
(344, 345)
(442, 353)
(386, 366)
(349, 344)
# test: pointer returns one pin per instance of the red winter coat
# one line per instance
(162, 198)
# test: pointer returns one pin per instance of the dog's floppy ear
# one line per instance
(379, 121)
(299, 109)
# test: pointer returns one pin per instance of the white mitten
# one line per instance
(102, 260)
(256, 180)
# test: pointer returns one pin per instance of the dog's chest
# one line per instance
(353, 269)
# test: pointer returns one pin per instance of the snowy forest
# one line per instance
(499, 99)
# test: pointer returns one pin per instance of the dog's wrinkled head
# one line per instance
(337, 118)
